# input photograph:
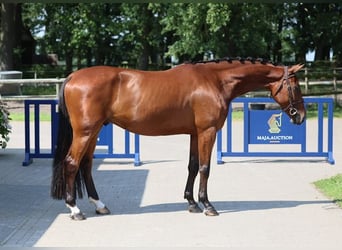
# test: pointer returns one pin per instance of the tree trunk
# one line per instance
(338, 58)
(300, 57)
(68, 61)
(322, 53)
(89, 57)
(144, 57)
(278, 55)
(7, 35)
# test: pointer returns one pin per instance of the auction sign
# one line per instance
(274, 127)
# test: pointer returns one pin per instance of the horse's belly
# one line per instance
(168, 123)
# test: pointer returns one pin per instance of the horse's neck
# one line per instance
(241, 80)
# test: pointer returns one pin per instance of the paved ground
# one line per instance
(266, 203)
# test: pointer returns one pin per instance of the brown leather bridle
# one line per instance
(292, 111)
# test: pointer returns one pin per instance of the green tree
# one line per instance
(252, 30)
(8, 35)
(197, 28)
(58, 22)
(148, 33)
(95, 32)
(321, 17)
(314, 27)
(76, 31)
(298, 32)
(225, 29)
(337, 31)
(141, 31)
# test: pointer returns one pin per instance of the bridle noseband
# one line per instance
(292, 110)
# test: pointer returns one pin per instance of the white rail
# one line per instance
(20, 82)
(31, 81)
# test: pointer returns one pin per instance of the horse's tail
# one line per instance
(64, 140)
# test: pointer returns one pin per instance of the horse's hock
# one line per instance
(13, 88)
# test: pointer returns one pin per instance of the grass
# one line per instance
(312, 111)
(38, 90)
(20, 117)
(237, 114)
(332, 188)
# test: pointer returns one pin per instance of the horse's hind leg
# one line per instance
(86, 165)
(73, 174)
(71, 170)
(193, 171)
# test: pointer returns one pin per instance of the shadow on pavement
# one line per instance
(27, 210)
(221, 206)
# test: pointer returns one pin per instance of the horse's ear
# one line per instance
(295, 68)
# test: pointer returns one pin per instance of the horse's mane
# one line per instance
(231, 59)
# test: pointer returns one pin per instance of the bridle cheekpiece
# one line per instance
(290, 108)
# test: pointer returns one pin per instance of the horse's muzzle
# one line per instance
(297, 118)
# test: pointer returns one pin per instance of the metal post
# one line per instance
(137, 150)
(27, 161)
(219, 147)
(36, 128)
(306, 80)
(335, 80)
(320, 127)
(330, 131)
(245, 126)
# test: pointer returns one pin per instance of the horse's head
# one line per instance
(287, 94)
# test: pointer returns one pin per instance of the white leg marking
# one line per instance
(97, 203)
(74, 210)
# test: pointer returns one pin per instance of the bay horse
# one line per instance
(192, 98)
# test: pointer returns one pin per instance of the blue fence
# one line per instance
(260, 128)
(105, 139)
(272, 127)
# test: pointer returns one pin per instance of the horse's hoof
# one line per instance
(78, 216)
(102, 211)
(211, 212)
(195, 209)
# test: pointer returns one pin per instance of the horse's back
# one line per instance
(144, 102)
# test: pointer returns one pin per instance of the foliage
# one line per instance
(197, 28)
(332, 187)
(39, 89)
(141, 31)
(5, 127)
(85, 34)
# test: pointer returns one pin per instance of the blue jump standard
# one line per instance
(268, 127)
(105, 136)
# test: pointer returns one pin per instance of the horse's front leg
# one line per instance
(193, 171)
(206, 141)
